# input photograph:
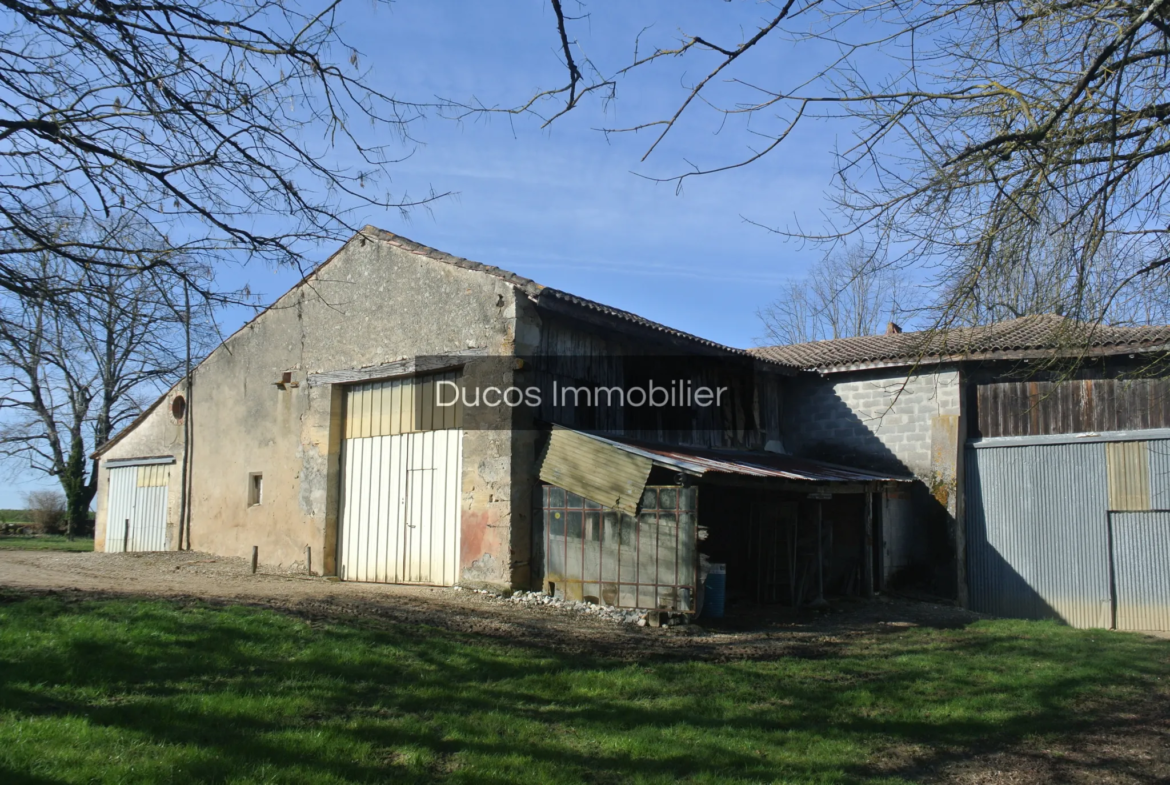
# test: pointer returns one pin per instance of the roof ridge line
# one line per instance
(537, 291)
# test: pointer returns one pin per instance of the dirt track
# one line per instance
(205, 577)
(1132, 748)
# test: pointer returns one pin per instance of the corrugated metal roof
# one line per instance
(1040, 335)
(701, 462)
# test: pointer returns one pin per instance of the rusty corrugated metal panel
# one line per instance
(700, 462)
(1128, 467)
(595, 468)
(766, 465)
(613, 472)
(1141, 556)
(1037, 534)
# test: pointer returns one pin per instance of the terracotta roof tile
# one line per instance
(1040, 336)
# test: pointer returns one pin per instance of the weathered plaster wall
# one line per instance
(157, 434)
(374, 303)
(890, 420)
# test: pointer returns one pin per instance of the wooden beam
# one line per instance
(410, 366)
(867, 561)
(820, 600)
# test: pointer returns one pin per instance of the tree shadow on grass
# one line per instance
(235, 692)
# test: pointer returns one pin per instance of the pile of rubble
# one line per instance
(639, 616)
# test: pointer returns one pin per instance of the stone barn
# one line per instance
(406, 416)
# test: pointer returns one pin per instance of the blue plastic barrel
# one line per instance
(715, 592)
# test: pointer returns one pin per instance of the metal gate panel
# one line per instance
(120, 507)
(1037, 540)
(148, 527)
(432, 513)
(137, 495)
(1141, 569)
(400, 507)
(615, 558)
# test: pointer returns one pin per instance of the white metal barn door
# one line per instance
(136, 511)
(1141, 569)
(401, 473)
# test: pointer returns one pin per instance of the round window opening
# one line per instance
(179, 407)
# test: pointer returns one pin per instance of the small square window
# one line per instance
(255, 489)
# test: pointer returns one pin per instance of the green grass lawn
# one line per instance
(44, 542)
(127, 691)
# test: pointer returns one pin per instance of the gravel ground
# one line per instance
(1134, 747)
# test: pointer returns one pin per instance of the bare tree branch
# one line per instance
(987, 135)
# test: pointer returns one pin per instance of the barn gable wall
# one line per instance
(372, 304)
(156, 434)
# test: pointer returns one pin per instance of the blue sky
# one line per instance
(564, 206)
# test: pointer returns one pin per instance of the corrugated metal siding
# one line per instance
(1037, 539)
(119, 509)
(595, 470)
(1141, 565)
(137, 494)
(148, 527)
(1128, 468)
(153, 475)
(400, 505)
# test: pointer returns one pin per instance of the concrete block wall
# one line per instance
(883, 419)
(901, 422)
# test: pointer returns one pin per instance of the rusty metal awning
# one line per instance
(700, 462)
(595, 469)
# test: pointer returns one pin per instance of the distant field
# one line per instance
(47, 542)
